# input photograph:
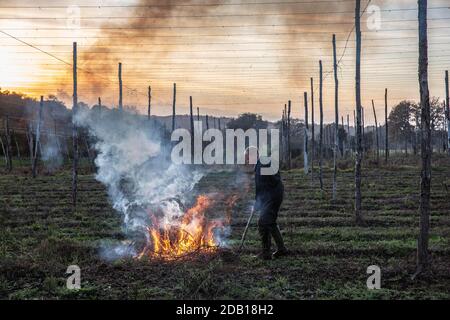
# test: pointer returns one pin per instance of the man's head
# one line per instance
(251, 155)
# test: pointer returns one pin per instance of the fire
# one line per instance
(192, 233)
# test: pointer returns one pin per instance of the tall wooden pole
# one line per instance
(336, 118)
(282, 152)
(447, 113)
(120, 86)
(321, 124)
(305, 135)
(354, 126)
(8, 150)
(284, 140)
(358, 213)
(386, 138)
(149, 112)
(342, 142)
(74, 127)
(376, 132)
(363, 120)
(423, 257)
(174, 106)
(192, 126)
(289, 134)
(349, 146)
(313, 145)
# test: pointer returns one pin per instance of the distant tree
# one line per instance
(437, 121)
(400, 127)
(437, 114)
(246, 121)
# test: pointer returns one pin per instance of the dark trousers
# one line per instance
(267, 225)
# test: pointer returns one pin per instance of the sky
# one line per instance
(231, 56)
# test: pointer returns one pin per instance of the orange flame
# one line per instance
(193, 233)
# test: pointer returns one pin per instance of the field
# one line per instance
(41, 236)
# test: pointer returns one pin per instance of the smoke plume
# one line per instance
(134, 164)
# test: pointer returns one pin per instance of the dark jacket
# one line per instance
(269, 194)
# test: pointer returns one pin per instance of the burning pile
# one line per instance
(192, 232)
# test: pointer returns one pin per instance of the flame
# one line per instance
(194, 232)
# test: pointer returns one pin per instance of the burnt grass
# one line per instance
(40, 236)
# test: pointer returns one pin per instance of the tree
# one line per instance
(400, 127)
(437, 119)
(247, 121)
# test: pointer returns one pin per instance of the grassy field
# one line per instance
(40, 236)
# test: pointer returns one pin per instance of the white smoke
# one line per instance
(134, 163)
(50, 152)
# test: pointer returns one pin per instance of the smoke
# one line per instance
(50, 152)
(153, 19)
(134, 164)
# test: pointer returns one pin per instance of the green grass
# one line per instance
(40, 236)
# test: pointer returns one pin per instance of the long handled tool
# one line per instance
(246, 229)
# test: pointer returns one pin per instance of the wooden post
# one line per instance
(30, 141)
(313, 146)
(149, 112)
(38, 136)
(363, 118)
(342, 142)
(74, 127)
(88, 149)
(282, 137)
(305, 135)
(336, 119)
(17, 145)
(120, 86)
(8, 150)
(173, 106)
(358, 213)
(285, 155)
(321, 124)
(376, 132)
(4, 150)
(349, 145)
(386, 138)
(447, 113)
(423, 257)
(192, 126)
(289, 135)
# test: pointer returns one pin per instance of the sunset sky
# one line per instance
(232, 56)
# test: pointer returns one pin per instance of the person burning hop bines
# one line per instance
(269, 192)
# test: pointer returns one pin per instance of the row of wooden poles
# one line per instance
(423, 253)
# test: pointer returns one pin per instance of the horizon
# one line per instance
(232, 57)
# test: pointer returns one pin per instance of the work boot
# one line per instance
(281, 249)
(264, 232)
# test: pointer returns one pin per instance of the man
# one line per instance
(269, 191)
